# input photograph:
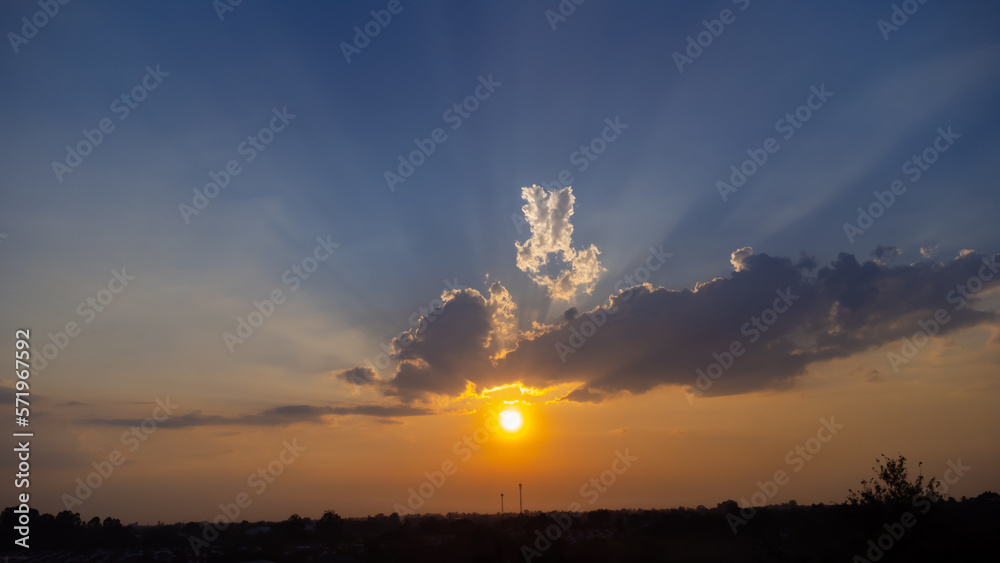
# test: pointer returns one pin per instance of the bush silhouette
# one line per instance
(892, 486)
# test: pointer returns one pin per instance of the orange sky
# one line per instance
(937, 409)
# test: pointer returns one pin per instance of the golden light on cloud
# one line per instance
(514, 389)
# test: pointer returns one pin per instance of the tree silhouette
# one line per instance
(293, 529)
(329, 526)
(892, 486)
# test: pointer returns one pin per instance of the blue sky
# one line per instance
(653, 185)
(457, 216)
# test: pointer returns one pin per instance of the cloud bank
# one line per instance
(279, 416)
(647, 337)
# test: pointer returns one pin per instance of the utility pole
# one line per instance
(501, 504)
(520, 499)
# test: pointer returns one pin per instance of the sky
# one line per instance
(308, 251)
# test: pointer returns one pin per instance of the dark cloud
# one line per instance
(450, 350)
(650, 336)
(584, 395)
(361, 376)
(279, 416)
(870, 375)
(885, 254)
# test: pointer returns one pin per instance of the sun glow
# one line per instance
(511, 419)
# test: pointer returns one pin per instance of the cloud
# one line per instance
(883, 255)
(440, 359)
(870, 375)
(548, 249)
(661, 337)
(737, 258)
(927, 252)
(503, 319)
(278, 416)
(360, 376)
(584, 395)
(648, 337)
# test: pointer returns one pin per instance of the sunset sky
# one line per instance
(488, 206)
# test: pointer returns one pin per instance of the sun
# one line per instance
(511, 420)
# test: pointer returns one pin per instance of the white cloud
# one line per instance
(503, 319)
(548, 214)
(737, 258)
